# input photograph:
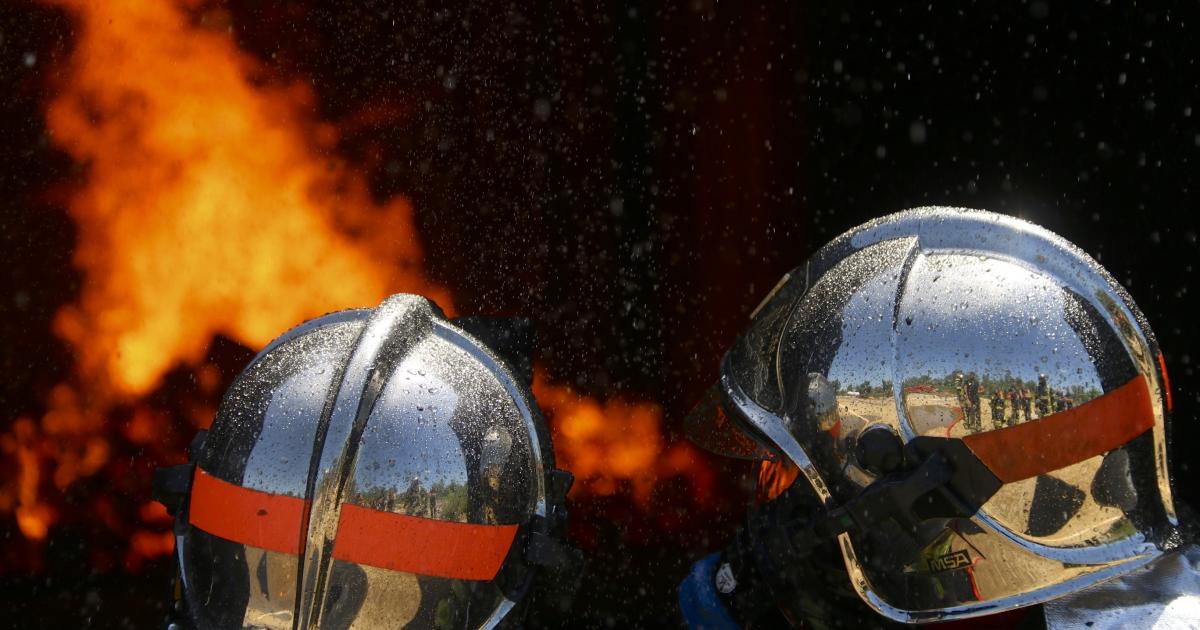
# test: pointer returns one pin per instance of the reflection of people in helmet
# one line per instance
(974, 421)
(1044, 404)
(372, 468)
(923, 521)
(1014, 402)
(997, 404)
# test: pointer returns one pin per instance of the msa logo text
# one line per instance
(950, 561)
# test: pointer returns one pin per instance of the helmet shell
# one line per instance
(370, 468)
(968, 325)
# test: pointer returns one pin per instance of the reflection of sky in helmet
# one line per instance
(409, 436)
(990, 316)
(865, 353)
(962, 313)
(279, 461)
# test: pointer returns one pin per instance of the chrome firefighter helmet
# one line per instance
(371, 468)
(914, 371)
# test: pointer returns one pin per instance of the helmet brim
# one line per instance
(710, 427)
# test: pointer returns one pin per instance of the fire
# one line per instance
(211, 205)
(609, 444)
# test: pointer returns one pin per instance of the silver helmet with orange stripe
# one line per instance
(976, 410)
(372, 468)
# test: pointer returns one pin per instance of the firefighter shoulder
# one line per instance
(373, 468)
(901, 506)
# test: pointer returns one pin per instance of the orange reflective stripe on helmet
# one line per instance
(465, 551)
(1067, 437)
(386, 540)
(251, 517)
(1036, 447)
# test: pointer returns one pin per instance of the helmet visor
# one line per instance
(714, 423)
(710, 427)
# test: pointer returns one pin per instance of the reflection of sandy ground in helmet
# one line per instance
(393, 599)
(1001, 568)
(928, 413)
(939, 415)
(931, 414)
(869, 409)
(272, 589)
(1092, 522)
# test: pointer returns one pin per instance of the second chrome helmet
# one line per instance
(979, 406)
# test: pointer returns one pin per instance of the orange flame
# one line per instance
(212, 206)
(610, 444)
(209, 207)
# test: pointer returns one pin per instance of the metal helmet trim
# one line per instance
(863, 587)
(389, 334)
(769, 425)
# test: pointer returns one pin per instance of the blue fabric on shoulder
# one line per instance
(698, 600)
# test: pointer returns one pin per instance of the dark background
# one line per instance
(636, 177)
